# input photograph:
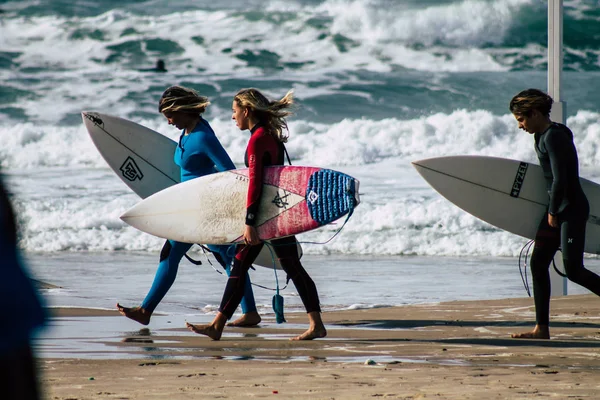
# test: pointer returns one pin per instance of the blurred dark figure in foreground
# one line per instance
(22, 313)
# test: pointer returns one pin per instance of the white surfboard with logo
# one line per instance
(508, 194)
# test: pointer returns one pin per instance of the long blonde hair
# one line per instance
(271, 114)
(182, 99)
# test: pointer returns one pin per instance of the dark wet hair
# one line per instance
(271, 114)
(182, 99)
(529, 100)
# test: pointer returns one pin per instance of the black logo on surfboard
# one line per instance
(95, 119)
(281, 201)
(130, 170)
(519, 179)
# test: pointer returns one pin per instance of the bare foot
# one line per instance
(312, 333)
(316, 328)
(539, 332)
(137, 314)
(248, 319)
(208, 330)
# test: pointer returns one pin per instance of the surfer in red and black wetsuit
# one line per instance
(563, 226)
(266, 121)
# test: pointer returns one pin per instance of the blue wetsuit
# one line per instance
(199, 153)
(22, 314)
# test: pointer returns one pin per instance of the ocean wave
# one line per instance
(380, 83)
(350, 142)
(331, 35)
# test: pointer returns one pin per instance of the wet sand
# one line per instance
(454, 350)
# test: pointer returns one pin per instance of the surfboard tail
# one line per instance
(330, 195)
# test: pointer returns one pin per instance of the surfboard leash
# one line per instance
(277, 301)
(195, 262)
(524, 254)
(350, 212)
(558, 271)
(206, 250)
(526, 250)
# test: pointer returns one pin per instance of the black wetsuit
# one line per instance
(264, 150)
(558, 157)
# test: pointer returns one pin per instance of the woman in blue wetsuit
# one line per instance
(266, 121)
(563, 226)
(199, 153)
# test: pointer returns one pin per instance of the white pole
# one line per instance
(555, 58)
(558, 114)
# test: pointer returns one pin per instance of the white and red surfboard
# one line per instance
(212, 209)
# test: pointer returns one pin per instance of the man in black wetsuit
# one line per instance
(564, 224)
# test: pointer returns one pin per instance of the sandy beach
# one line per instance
(453, 350)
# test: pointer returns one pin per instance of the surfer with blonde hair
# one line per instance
(265, 119)
(198, 153)
(563, 225)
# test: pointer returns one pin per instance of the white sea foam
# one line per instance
(469, 23)
(453, 36)
(350, 142)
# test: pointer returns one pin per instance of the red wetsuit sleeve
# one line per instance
(255, 173)
(262, 149)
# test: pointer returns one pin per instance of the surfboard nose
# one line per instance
(422, 167)
(127, 215)
(144, 217)
(84, 117)
(91, 119)
(131, 216)
(434, 163)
